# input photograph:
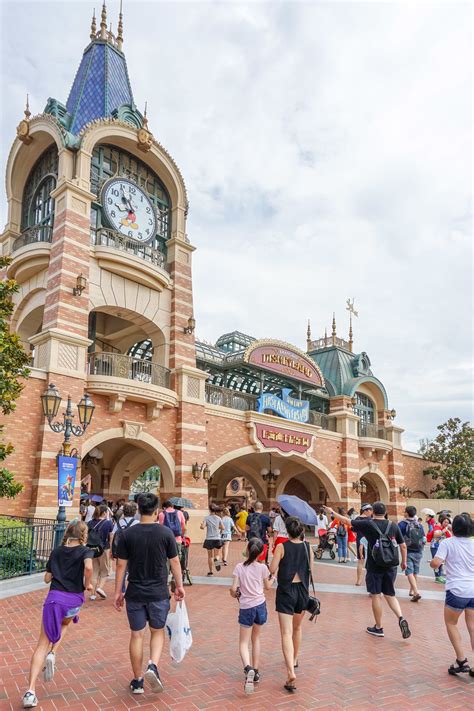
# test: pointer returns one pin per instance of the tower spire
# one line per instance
(103, 22)
(351, 343)
(93, 27)
(308, 336)
(110, 36)
(334, 329)
(27, 108)
(326, 336)
(120, 29)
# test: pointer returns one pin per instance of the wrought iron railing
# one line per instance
(327, 341)
(25, 548)
(226, 397)
(39, 233)
(367, 429)
(123, 366)
(322, 420)
(27, 519)
(103, 237)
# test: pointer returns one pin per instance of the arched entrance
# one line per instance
(377, 488)
(114, 461)
(314, 482)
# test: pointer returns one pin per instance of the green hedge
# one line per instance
(17, 556)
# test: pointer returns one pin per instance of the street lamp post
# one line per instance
(51, 400)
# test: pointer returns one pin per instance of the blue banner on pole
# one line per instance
(66, 479)
(290, 408)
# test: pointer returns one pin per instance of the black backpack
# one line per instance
(116, 538)
(255, 526)
(341, 530)
(413, 536)
(94, 541)
(385, 550)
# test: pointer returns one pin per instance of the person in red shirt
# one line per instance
(439, 532)
(341, 536)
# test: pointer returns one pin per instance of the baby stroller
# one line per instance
(327, 542)
(184, 565)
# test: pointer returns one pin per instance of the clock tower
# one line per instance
(96, 235)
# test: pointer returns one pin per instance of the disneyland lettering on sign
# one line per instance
(286, 360)
(283, 439)
(290, 408)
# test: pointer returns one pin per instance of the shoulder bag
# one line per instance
(314, 605)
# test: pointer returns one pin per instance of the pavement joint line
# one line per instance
(27, 586)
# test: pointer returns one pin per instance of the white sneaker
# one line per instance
(48, 671)
(29, 700)
(249, 687)
(101, 593)
(92, 597)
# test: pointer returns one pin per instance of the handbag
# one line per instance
(94, 541)
(314, 605)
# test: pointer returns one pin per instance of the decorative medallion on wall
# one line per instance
(234, 485)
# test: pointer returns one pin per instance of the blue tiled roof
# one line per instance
(101, 85)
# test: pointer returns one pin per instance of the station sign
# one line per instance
(284, 359)
(283, 439)
(291, 408)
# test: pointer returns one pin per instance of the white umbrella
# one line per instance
(428, 511)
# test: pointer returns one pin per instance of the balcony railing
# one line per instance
(40, 233)
(367, 429)
(122, 366)
(325, 421)
(226, 397)
(103, 237)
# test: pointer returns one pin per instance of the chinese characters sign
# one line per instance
(283, 439)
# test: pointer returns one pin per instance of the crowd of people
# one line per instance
(147, 555)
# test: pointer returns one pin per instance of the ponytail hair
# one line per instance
(76, 531)
(254, 550)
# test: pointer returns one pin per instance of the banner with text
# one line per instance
(67, 467)
(290, 408)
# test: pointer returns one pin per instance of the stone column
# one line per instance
(396, 478)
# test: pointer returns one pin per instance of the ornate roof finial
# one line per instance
(27, 108)
(103, 23)
(110, 36)
(93, 27)
(145, 139)
(334, 329)
(351, 309)
(308, 336)
(351, 342)
(326, 336)
(120, 29)
(145, 119)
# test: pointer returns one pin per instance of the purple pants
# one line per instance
(57, 607)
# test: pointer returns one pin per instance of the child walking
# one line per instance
(251, 579)
(69, 570)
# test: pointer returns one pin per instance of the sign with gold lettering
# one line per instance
(283, 439)
(284, 359)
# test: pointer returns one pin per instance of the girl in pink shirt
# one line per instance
(251, 579)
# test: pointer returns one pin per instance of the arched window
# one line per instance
(38, 205)
(109, 161)
(365, 409)
(142, 350)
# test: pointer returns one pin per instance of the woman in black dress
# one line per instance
(292, 559)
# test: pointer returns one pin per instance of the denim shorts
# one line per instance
(155, 613)
(413, 562)
(458, 603)
(253, 615)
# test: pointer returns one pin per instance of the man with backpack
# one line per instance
(414, 536)
(258, 525)
(385, 541)
(175, 521)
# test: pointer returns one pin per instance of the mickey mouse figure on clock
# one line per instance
(129, 209)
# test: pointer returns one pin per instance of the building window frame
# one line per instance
(365, 409)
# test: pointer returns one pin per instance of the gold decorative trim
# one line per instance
(283, 344)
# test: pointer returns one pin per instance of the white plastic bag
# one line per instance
(179, 632)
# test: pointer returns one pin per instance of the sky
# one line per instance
(327, 153)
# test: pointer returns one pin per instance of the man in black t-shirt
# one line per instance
(365, 512)
(380, 580)
(146, 548)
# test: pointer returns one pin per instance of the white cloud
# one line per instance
(326, 149)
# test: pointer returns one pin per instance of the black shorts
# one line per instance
(212, 543)
(381, 582)
(139, 613)
(292, 600)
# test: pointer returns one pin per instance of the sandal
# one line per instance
(460, 667)
(290, 685)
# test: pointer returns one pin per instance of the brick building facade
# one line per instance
(127, 337)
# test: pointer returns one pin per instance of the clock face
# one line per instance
(129, 209)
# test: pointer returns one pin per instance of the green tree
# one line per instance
(148, 481)
(13, 362)
(450, 456)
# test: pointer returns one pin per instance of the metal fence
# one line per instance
(25, 548)
(28, 519)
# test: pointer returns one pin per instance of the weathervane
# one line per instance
(352, 311)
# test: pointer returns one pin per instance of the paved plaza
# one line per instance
(341, 666)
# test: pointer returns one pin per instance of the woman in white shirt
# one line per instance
(280, 534)
(458, 554)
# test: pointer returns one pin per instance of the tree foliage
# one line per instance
(148, 481)
(450, 454)
(13, 362)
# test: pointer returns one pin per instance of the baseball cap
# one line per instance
(366, 507)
